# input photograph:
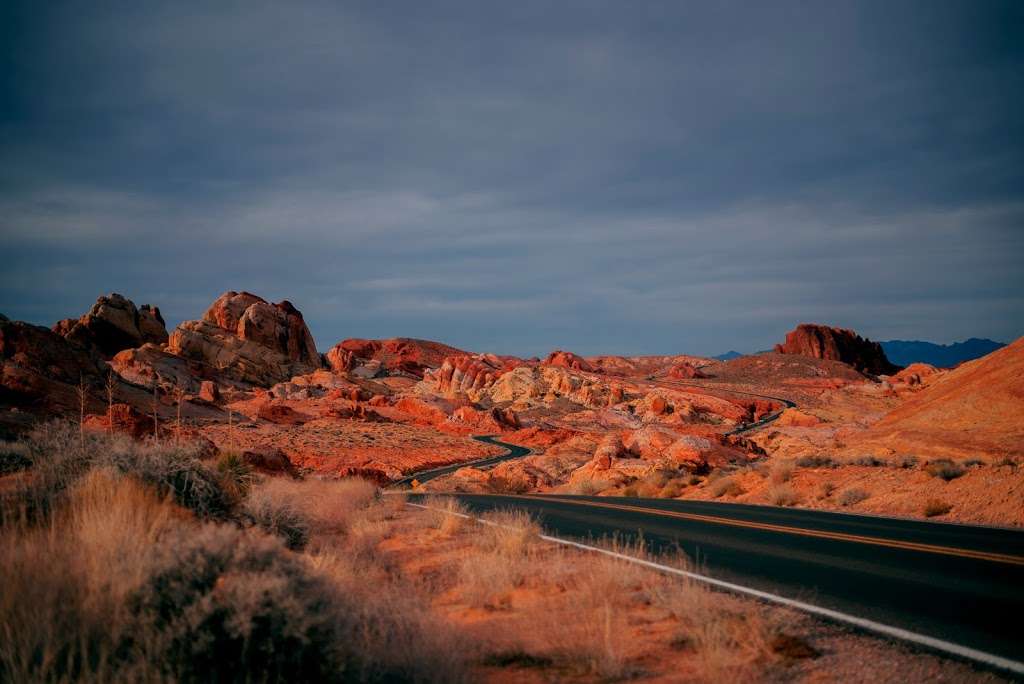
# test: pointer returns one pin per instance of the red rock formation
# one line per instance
(124, 419)
(243, 338)
(113, 324)
(276, 326)
(837, 344)
(268, 459)
(401, 355)
(685, 371)
(565, 359)
(281, 414)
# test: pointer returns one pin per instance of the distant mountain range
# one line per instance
(728, 356)
(906, 352)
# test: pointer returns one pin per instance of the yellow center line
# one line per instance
(787, 529)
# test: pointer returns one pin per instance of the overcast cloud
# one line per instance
(513, 177)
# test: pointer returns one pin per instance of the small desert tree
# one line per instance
(156, 414)
(179, 397)
(82, 395)
(110, 385)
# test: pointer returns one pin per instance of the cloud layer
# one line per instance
(513, 177)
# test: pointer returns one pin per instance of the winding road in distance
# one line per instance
(513, 451)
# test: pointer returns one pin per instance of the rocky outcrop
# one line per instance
(400, 355)
(279, 327)
(113, 324)
(565, 359)
(151, 365)
(243, 338)
(40, 370)
(837, 344)
(685, 371)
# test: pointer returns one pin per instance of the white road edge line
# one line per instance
(835, 615)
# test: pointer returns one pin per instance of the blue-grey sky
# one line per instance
(652, 177)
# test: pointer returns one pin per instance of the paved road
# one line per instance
(746, 428)
(959, 583)
(514, 451)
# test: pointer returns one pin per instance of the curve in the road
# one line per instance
(513, 451)
(959, 584)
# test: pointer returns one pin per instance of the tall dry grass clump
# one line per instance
(447, 514)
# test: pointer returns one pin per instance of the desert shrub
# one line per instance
(826, 489)
(630, 491)
(236, 474)
(14, 456)
(223, 605)
(590, 487)
(782, 472)
(1007, 462)
(672, 490)
(867, 461)
(782, 495)
(945, 468)
(506, 485)
(328, 506)
(729, 644)
(695, 480)
(906, 462)
(725, 486)
(277, 515)
(509, 532)
(934, 507)
(852, 496)
(396, 637)
(816, 461)
(60, 456)
(178, 472)
(447, 514)
(973, 463)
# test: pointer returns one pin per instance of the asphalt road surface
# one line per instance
(959, 583)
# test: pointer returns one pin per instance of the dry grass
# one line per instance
(852, 496)
(934, 507)
(945, 469)
(447, 514)
(782, 495)
(725, 486)
(782, 472)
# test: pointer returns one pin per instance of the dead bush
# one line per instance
(816, 461)
(782, 472)
(277, 515)
(447, 513)
(934, 507)
(945, 468)
(852, 496)
(725, 486)
(782, 495)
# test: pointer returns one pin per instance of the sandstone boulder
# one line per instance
(268, 459)
(685, 371)
(114, 323)
(565, 359)
(243, 338)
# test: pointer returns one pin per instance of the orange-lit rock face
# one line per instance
(399, 355)
(113, 324)
(246, 339)
(279, 327)
(837, 344)
(684, 371)
(565, 359)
